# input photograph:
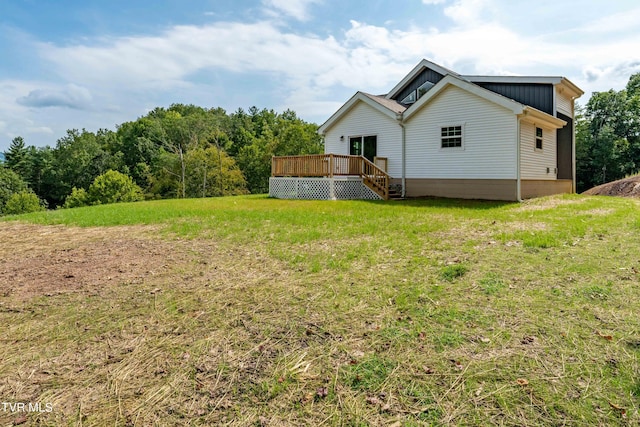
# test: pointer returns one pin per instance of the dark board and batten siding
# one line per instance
(565, 148)
(426, 75)
(539, 96)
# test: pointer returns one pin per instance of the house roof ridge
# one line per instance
(526, 79)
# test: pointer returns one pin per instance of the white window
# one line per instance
(409, 99)
(539, 138)
(424, 88)
(451, 136)
(414, 95)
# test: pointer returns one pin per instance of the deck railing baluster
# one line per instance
(330, 165)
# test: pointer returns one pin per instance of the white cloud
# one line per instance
(71, 96)
(311, 74)
(616, 23)
(41, 129)
(469, 12)
(168, 60)
(298, 9)
(37, 125)
(366, 57)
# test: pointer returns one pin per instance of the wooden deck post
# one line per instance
(331, 166)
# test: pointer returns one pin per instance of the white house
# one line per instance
(438, 133)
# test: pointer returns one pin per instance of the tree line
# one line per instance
(189, 151)
(176, 152)
(608, 136)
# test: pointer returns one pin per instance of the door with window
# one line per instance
(366, 146)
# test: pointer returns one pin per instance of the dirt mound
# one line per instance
(627, 187)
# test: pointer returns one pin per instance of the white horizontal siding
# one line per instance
(534, 162)
(364, 120)
(490, 133)
(564, 103)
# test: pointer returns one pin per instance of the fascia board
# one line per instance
(553, 80)
(507, 103)
(352, 102)
(532, 115)
(572, 87)
(514, 79)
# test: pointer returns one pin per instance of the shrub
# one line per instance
(113, 187)
(77, 198)
(10, 183)
(24, 201)
(110, 187)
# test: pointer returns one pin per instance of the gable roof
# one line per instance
(514, 106)
(388, 107)
(397, 111)
(450, 80)
(417, 70)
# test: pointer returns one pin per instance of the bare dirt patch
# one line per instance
(113, 323)
(627, 187)
(546, 203)
(50, 260)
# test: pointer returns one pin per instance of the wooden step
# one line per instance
(394, 195)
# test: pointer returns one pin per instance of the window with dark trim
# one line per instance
(366, 146)
(539, 138)
(451, 136)
(424, 88)
(409, 99)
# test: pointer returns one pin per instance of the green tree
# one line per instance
(41, 178)
(24, 201)
(213, 173)
(10, 183)
(274, 135)
(140, 143)
(241, 131)
(17, 158)
(255, 162)
(608, 136)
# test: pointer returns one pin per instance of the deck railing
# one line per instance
(330, 165)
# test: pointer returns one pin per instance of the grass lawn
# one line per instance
(255, 311)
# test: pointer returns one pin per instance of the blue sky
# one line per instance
(73, 64)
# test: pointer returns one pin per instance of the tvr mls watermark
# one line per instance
(24, 407)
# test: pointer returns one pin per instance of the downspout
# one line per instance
(399, 117)
(574, 185)
(518, 166)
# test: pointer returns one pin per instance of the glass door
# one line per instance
(366, 146)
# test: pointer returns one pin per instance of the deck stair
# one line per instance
(395, 194)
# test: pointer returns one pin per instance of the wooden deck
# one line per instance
(330, 165)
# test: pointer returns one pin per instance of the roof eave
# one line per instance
(451, 80)
(349, 105)
(572, 87)
(535, 116)
(554, 80)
